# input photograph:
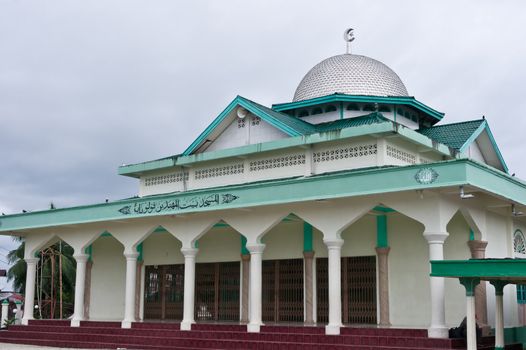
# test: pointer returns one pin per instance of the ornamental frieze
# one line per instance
(426, 176)
(161, 206)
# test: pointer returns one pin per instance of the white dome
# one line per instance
(351, 75)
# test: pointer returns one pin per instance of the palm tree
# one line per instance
(17, 272)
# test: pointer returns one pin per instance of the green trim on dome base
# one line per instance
(434, 115)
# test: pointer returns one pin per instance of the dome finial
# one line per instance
(348, 36)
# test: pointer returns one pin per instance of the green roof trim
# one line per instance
(373, 123)
(461, 135)
(369, 119)
(512, 270)
(289, 125)
(393, 100)
(350, 183)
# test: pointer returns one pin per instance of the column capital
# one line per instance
(309, 254)
(81, 258)
(257, 248)
(245, 257)
(131, 256)
(189, 252)
(30, 261)
(477, 248)
(469, 284)
(435, 237)
(382, 250)
(499, 286)
(333, 243)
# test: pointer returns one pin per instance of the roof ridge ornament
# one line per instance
(348, 36)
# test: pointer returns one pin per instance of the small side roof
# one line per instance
(461, 135)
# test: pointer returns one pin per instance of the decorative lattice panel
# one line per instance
(227, 170)
(278, 162)
(345, 153)
(519, 244)
(399, 154)
(165, 179)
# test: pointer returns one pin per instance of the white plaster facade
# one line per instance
(248, 186)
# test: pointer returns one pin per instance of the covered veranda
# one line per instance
(471, 273)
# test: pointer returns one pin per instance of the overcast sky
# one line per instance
(86, 86)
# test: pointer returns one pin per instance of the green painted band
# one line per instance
(381, 232)
(307, 237)
(244, 250)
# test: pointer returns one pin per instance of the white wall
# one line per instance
(220, 244)
(284, 241)
(250, 133)
(408, 272)
(161, 248)
(108, 280)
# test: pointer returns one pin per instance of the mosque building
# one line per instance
(325, 210)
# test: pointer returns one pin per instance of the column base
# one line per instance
(75, 323)
(254, 327)
(126, 324)
(332, 329)
(186, 325)
(438, 332)
(25, 321)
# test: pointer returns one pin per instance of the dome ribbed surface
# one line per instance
(351, 75)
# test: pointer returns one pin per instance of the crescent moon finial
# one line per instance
(348, 36)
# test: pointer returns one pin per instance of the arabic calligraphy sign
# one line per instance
(161, 206)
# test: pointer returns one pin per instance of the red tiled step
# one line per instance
(87, 345)
(287, 342)
(349, 339)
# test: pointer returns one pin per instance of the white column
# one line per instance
(499, 314)
(438, 328)
(471, 323)
(80, 286)
(189, 288)
(30, 290)
(5, 311)
(335, 292)
(129, 299)
(256, 258)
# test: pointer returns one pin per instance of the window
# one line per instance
(369, 107)
(303, 113)
(317, 110)
(330, 108)
(520, 252)
(384, 109)
(353, 107)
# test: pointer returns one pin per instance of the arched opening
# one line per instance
(358, 273)
(219, 274)
(162, 274)
(353, 107)
(384, 108)
(283, 294)
(317, 110)
(330, 108)
(303, 113)
(55, 280)
(408, 271)
(105, 286)
(369, 107)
